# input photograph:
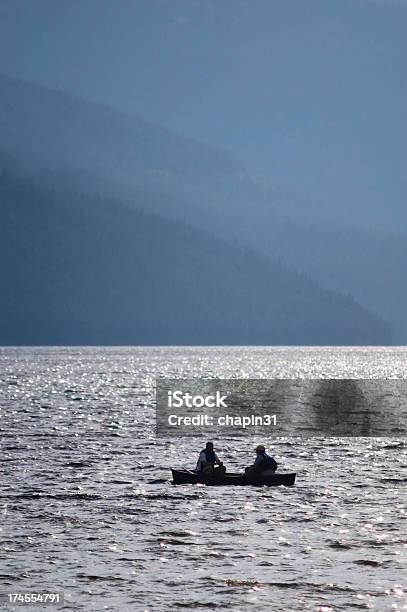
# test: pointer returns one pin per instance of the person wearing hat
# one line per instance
(264, 464)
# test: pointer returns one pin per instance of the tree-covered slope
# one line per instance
(77, 144)
(82, 270)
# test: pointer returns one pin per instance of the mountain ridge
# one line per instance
(217, 195)
(81, 270)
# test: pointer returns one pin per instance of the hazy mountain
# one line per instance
(313, 93)
(92, 148)
(77, 269)
(60, 128)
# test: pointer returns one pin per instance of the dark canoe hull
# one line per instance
(181, 477)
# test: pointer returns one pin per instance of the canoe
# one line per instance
(187, 477)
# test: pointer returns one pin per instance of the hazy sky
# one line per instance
(312, 92)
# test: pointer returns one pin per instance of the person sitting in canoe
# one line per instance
(207, 460)
(264, 464)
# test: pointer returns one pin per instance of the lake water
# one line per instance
(87, 506)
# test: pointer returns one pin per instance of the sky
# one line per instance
(312, 93)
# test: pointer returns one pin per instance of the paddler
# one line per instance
(207, 461)
(264, 465)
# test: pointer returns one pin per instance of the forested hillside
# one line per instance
(77, 269)
(76, 144)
